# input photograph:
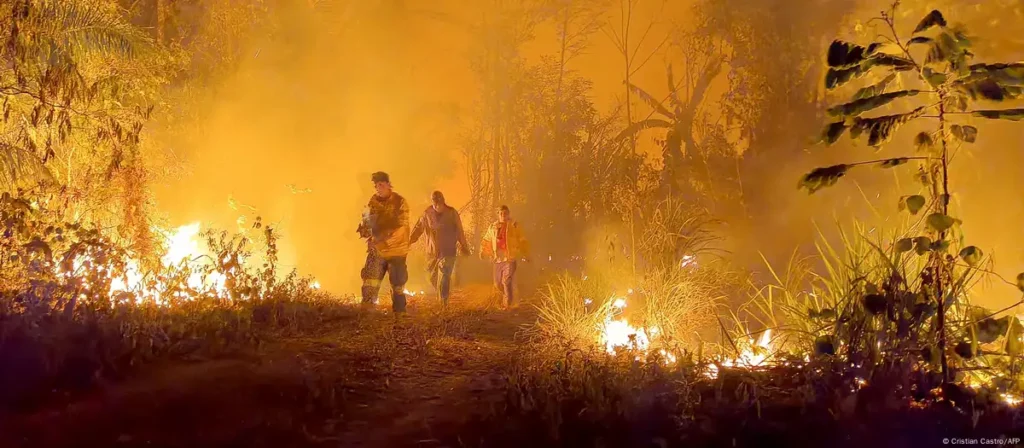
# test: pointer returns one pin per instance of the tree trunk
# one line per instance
(628, 67)
(161, 20)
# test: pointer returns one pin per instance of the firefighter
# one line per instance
(504, 244)
(385, 226)
(442, 226)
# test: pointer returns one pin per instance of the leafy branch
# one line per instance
(945, 85)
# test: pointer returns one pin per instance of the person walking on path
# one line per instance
(504, 244)
(445, 239)
(385, 226)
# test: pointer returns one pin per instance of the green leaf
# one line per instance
(930, 354)
(875, 89)
(865, 104)
(987, 89)
(832, 132)
(880, 129)
(1005, 74)
(961, 35)
(923, 141)
(875, 303)
(1014, 345)
(873, 48)
(1005, 114)
(964, 349)
(972, 255)
(956, 103)
(944, 49)
(825, 313)
(836, 77)
(939, 246)
(897, 63)
(932, 19)
(934, 78)
(967, 134)
(887, 60)
(824, 345)
(991, 329)
(903, 245)
(919, 40)
(843, 54)
(39, 246)
(922, 245)
(923, 310)
(944, 200)
(822, 177)
(897, 161)
(914, 203)
(940, 222)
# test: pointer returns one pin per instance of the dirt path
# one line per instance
(431, 396)
(365, 381)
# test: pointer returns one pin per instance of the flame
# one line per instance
(1011, 400)
(668, 357)
(183, 248)
(618, 333)
(752, 355)
(687, 260)
(182, 244)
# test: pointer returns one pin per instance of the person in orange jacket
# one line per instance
(385, 226)
(504, 244)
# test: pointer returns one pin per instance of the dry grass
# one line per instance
(572, 311)
(682, 302)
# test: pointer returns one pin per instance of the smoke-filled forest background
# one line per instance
(561, 109)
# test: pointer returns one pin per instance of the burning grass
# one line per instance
(661, 313)
(77, 306)
(849, 346)
(870, 311)
(576, 398)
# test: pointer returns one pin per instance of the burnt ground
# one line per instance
(363, 380)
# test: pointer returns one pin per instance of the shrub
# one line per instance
(76, 306)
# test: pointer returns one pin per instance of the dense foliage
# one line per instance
(921, 285)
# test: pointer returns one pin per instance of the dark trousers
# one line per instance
(504, 277)
(440, 271)
(373, 274)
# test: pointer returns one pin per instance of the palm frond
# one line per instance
(82, 28)
(651, 101)
(642, 125)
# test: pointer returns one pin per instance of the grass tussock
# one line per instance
(868, 306)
